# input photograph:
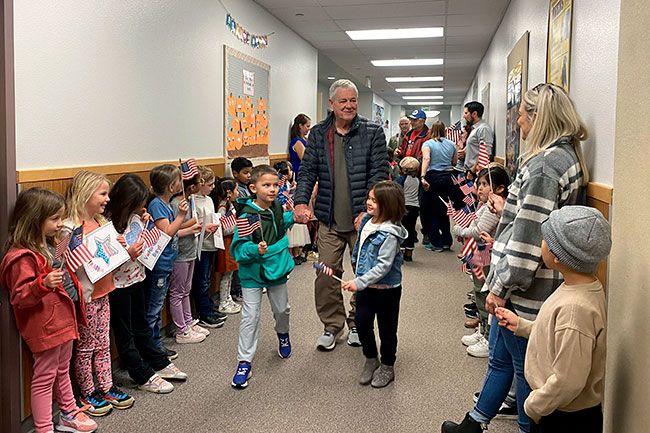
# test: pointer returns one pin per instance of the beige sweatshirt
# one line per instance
(565, 359)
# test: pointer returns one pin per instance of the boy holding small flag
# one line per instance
(261, 248)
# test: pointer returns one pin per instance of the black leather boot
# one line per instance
(467, 426)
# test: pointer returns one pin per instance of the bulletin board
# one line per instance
(246, 106)
(516, 85)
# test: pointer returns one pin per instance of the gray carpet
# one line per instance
(318, 392)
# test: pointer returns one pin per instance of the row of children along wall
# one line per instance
(249, 129)
(66, 258)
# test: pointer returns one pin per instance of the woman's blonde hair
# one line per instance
(553, 115)
(33, 207)
(84, 184)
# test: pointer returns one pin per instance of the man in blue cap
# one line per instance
(413, 140)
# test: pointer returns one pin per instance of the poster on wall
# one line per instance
(516, 85)
(246, 113)
(378, 115)
(558, 48)
(485, 100)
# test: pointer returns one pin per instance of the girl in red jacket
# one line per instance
(47, 301)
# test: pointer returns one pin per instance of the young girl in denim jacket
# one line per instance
(377, 261)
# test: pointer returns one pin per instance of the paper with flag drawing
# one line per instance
(218, 235)
(159, 241)
(107, 252)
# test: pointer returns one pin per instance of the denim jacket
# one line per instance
(378, 262)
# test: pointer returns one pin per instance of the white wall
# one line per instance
(109, 82)
(593, 70)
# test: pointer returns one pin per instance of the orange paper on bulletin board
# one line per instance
(246, 100)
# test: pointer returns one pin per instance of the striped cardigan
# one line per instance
(548, 181)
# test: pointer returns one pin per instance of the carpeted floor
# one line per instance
(318, 391)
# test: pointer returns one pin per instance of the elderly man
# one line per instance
(404, 126)
(413, 139)
(346, 155)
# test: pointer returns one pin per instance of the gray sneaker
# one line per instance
(353, 338)
(369, 368)
(326, 342)
(384, 375)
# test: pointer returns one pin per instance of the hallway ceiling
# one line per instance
(469, 26)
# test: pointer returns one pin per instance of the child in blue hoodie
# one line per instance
(377, 261)
(264, 262)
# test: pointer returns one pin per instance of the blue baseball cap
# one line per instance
(417, 114)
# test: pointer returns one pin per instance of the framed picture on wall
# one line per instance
(558, 51)
(516, 85)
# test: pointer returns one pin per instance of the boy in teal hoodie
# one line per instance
(264, 262)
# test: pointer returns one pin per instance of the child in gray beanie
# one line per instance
(565, 359)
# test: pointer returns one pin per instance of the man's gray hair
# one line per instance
(342, 84)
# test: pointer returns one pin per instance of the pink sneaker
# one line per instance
(76, 422)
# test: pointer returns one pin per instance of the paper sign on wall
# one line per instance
(107, 252)
(249, 82)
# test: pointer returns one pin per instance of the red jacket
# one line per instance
(414, 147)
(45, 318)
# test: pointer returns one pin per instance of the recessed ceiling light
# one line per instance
(407, 62)
(300, 14)
(425, 103)
(331, 78)
(423, 97)
(413, 33)
(419, 89)
(412, 79)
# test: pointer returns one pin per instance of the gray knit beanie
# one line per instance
(579, 236)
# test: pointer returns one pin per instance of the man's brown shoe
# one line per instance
(472, 323)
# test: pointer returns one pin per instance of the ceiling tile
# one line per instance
(271, 4)
(476, 7)
(314, 26)
(391, 22)
(368, 3)
(288, 14)
(391, 10)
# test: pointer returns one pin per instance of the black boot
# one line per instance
(467, 426)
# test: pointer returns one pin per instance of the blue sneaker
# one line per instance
(284, 347)
(427, 245)
(243, 373)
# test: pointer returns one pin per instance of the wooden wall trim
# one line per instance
(600, 192)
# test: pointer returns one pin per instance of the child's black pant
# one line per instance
(408, 222)
(383, 303)
(583, 421)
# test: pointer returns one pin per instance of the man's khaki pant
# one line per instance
(328, 295)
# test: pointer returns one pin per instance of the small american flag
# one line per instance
(468, 249)
(77, 253)
(478, 272)
(62, 246)
(483, 156)
(481, 255)
(189, 169)
(150, 235)
(228, 220)
(464, 216)
(452, 133)
(469, 199)
(248, 224)
(322, 267)
(288, 204)
(282, 180)
(466, 187)
(458, 180)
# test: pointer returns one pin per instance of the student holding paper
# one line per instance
(146, 363)
(86, 200)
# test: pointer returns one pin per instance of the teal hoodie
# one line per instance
(272, 268)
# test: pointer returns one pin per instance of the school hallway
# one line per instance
(318, 391)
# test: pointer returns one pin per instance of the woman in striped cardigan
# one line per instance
(551, 174)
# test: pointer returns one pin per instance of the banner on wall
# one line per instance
(246, 114)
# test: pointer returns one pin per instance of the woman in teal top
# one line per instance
(438, 158)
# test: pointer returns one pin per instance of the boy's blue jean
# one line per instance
(507, 353)
(158, 285)
(201, 284)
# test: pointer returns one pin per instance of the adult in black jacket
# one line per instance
(346, 155)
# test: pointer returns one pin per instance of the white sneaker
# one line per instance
(471, 339)
(171, 372)
(200, 330)
(189, 337)
(480, 349)
(157, 385)
(229, 307)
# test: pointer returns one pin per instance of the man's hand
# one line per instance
(301, 214)
(425, 185)
(495, 203)
(262, 248)
(492, 302)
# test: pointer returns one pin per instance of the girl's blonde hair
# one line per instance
(553, 115)
(206, 174)
(84, 184)
(33, 207)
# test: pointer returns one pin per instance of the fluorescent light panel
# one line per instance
(431, 114)
(414, 33)
(412, 79)
(408, 62)
(419, 89)
(425, 103)
(423, 97)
